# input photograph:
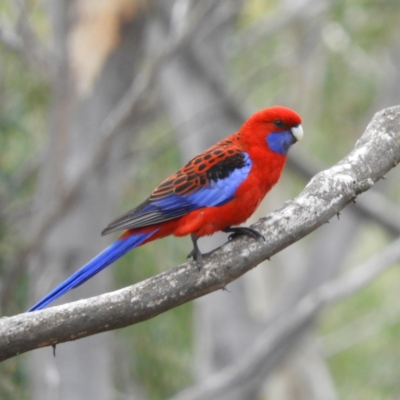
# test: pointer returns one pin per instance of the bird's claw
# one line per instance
(243, 231)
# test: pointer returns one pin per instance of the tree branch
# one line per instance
(259, 359)
(22, 39)
(375, 153)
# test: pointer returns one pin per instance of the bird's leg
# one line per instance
(196, 253)
(242, 230)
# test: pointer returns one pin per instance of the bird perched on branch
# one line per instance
(215, 191)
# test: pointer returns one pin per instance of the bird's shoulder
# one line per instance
(216, 163)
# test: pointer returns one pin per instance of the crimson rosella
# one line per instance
(215, 191)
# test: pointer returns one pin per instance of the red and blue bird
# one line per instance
(215, 191)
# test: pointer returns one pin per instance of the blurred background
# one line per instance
(102, 99)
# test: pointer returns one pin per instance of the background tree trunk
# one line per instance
(98, 47)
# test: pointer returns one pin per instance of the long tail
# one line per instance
(102, 260)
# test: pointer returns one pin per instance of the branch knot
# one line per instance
(363, 186)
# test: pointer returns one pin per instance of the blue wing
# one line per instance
(191, 188)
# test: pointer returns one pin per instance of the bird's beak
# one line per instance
(297, 132)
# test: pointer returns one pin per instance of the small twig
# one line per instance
(22, 39)
(10, 39)
(362, 328)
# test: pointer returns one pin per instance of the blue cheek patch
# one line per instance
(280, 142)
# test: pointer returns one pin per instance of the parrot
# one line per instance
(215, 191)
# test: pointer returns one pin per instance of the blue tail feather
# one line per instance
(101, 261)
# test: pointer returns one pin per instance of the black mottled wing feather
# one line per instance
(173, 198)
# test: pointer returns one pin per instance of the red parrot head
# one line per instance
(278, 127)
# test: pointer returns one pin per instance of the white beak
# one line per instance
(297, 132)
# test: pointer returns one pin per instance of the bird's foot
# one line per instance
(242, 230)
(196, 255)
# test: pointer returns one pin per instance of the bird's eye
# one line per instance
(279, 123)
